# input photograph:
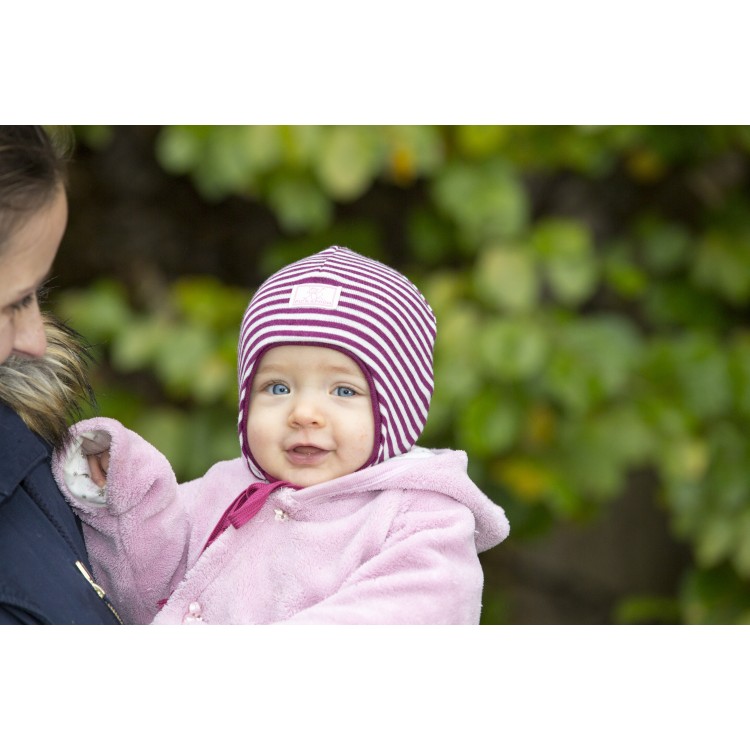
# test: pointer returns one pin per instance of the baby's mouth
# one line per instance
(307, 450)
(307, 455)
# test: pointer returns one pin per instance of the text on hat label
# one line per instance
(315, 295)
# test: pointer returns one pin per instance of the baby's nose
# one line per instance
(306, 411)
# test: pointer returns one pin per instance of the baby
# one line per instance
(332, 515)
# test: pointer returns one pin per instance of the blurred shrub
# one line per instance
(575, 345)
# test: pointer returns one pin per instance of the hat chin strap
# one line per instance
(246, 506)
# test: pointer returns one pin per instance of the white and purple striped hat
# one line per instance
(358, 306)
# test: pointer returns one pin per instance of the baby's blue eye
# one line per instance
(279, 389)
(343, 390)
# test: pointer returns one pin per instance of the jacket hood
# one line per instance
(48, 392)
(443, 471)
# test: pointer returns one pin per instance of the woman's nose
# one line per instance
(30, 339)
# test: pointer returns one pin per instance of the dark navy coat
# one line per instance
(43, 561)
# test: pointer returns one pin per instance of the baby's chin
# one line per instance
(305, 482)
(305, 478)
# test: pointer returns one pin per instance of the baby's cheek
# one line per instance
(255, 434)
(366, 440)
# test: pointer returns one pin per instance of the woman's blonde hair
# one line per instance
(49, 392)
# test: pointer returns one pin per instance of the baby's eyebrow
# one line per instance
(266, 368)
(342, 370)
(275, 369)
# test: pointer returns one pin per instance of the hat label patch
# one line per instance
(315, 295)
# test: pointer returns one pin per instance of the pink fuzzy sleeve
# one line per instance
(426, 573)
(138, 541)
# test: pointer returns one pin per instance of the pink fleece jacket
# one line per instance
(395, 543)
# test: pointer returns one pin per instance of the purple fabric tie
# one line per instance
(245, 507)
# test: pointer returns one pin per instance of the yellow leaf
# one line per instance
(646, 166)
(540, 426)
(523, 477)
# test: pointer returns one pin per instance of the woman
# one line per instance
(44, 569)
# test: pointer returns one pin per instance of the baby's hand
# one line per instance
(99, 466)
(95, 446)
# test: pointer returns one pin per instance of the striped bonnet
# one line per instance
(358, 306)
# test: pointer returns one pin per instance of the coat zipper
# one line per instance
(99, 590)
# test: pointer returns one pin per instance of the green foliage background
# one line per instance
(576, 343)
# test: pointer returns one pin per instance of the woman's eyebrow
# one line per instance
(34, 287)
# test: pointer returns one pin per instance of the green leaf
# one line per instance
(176, 361)
(722, 264)
(348, 160)
(486, 201)
(715, 597)
(592, 360)
(415, 150)
(716, 540)
(625, 432)
(206, 301)
(566, 250)
(213, 378)
(444, 290)
(260, 147)
(639, 610)
(458, 330)
(741, 556)
(622, 273)
(99, 312)
(489, 424)
(512, 349)
(137, 345)
(165, 428)
(298, 203)
(684, 459)
(664, 247)
(456, 345)
(672, 303)
(505, 278)
(739, 372)
(211, 437)
(428, 237)
(179, 147)
(590, 461)
(481, 141)
(662, 410)
(301, 144)
(224, 167)
(701, 371)
(439, 426)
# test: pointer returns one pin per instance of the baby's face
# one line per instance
(310, 416)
